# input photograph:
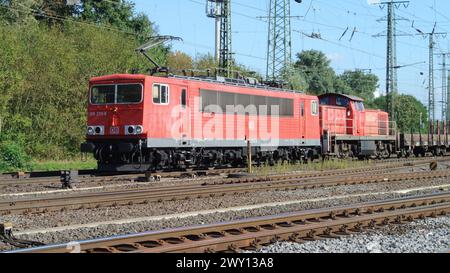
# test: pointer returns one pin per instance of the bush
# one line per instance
(13, 157)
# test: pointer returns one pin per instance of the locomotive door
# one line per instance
(302, 121)
(184, 115)
(350, 121)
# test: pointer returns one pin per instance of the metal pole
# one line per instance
(448, 96)
(438, 129)
(431, 102)
(444, 86)
(389, 65)
(420, 130)
(249, 157)
(217, 54)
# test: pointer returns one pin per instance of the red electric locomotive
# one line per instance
(141, 123)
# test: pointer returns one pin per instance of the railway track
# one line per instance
(43, 178)
(14, 180)
(250, 234)
(186, 192)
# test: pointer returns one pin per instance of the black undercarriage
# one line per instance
(362, 149)
(134, 156)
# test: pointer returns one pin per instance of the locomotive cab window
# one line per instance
(342, 101)
(325, 101)
(314, 108)
(129, 93)
(160, 94)
(116, 94)
(360, 106)
(183, 98)
(103, 94)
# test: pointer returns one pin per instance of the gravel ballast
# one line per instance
(369, 192)
(424, 236)
(142, 226)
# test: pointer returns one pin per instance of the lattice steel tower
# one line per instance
(391, 52)
(279, 39)
(444, 86)
(391, 62)
(447, 101)
(221, 11)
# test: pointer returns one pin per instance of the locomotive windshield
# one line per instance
(116, 94)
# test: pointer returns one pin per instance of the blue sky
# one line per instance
(330, 18)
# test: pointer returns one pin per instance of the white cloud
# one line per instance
(373, 2)
(335, 57)
(378, 93)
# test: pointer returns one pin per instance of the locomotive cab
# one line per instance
(353, 130)
(115, 123)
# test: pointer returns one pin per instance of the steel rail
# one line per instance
(11, 179)
(186, 192)
(42, 181)
(255, 232)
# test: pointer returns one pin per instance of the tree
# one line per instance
(340, 86)
(315, 66)
(407, 112)
(54, 11)
(117, 13)
(206, 61)
(361, 84)
(18, 11)
(178, 61)
(49, 11)
(295, 78)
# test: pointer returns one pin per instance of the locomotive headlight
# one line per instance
(134, 129)
(95, 130)
(130, 130)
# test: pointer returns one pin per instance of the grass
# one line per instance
(63, 165)
(56, 166)
(335, 164)
(263, 170)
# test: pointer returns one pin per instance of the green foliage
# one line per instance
(360, 84)
(316, 69)
(116, 13)
(296, 78)
(407, 112)
(63, 165)
(13, 157)
(18, 11)
(205, 61)
(44, 75)
(313, 71)
(316, 166)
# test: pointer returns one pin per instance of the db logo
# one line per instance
(114, 130)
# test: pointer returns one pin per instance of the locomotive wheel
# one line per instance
(385, 154)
